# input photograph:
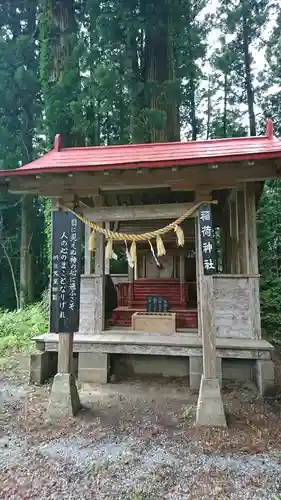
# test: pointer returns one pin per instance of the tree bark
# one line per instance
(193, 109)
(160, 84)
(28, 209)
(248, 77)
(26, 258)
(12, 275)
(225, 106)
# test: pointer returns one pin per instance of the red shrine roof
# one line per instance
(60, 160)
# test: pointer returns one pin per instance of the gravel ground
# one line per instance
(136, 441)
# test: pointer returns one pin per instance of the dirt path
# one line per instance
(135, 441)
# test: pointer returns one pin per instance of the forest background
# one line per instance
(128, 71)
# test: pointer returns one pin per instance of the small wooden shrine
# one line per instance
(170, 309)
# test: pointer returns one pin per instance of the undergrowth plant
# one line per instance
(17, 328)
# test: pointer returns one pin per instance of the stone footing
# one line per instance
(93, 367)
(210, 411)
(64, 399)
(264, 375)
(43, 365)
(196, 370)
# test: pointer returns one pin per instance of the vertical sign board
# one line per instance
(207, 239)
(66, 272)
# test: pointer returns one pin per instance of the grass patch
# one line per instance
(17, 328)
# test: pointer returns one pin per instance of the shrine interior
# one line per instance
(167, 283)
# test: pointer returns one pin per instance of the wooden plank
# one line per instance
(65, 353)
(86, 184)
(252, 229)
(232, 307)
(208, 329)
(87, 251)
(254, 305)
(99, 303)
(206, 310)
(107, 261)
(246, 234)
(141, 212)
(241, 231)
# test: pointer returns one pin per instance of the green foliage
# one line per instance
(270, 295)
(269, 238)
(122, 71)
(18, 328)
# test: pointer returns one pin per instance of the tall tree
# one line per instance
(19, 110)
(59, 71)
(225, 105)
(193, 27)
(243, 22)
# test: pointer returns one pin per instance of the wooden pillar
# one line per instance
(107, 261)
(252, 230)
(99, 305)
(64, 398)
(207, 313)
(234, 235)
(131, 286)
(65, 353)
(182, 277)
(87, 251)
(198, 275)
(210, 411)
(243, 230)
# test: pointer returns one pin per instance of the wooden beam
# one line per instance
(141, 212)
(65, 353)
(187, 178)
(99, 305)
(87, 252)
(252, 229)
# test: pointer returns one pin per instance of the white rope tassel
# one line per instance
(161, 250)
(180, 235)
(153, 254)
(128, 256)
(109, 252)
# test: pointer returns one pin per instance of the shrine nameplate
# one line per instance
(157, 303)
(207, 239)
(66, 272)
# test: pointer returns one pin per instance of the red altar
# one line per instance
(132, 296)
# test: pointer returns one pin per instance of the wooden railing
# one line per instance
(130, 294)
(122, 293)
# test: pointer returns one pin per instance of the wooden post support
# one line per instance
(252, 230)
(64, 399)
(65, 353)
(88, 253)
(131, 286)
(99, 305)
(210, 412)
(182, 277)
(107, 261)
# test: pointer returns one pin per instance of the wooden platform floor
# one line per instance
(182, 343)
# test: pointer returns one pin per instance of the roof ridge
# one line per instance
(170, 144)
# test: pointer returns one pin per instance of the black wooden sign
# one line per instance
(157, 303)
(66, 272)
(207, 239)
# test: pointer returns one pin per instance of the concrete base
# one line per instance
(93, 367)
(264, 375)
(64, 399)
(196, 370)
(131, 365)
(43, 365)
(210, 411)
